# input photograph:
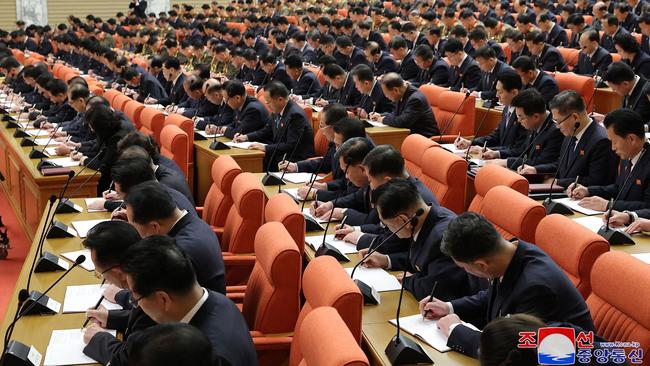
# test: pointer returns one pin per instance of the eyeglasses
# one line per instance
(101, 274)
(136, 302)
(564, 119)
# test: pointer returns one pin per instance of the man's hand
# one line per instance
(110, 195)
(617, 218)
(461, 143)
(577, 192)
(353, 237)
(376, 117)
(59, 134)
(90, 332)
(257, 146)
(240, 138)
(489, 155)
(99, 316)
(287, 166)
(110, 292)
(77, 156)
(336, 214)
(302, 193)
(321, 102)
(119, 214)
(321, 208)
(211, 129)
(445, 323)
(594, 203)
(639, 225)
(499, 162)
(97, 204)
(62, 149)
(435, 309)
(526, 169)
(150, 100)
(376, 260)
(341, 231)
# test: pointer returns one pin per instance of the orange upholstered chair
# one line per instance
(110, 94)
(620, 287)
(236, 25)
(187, 126)
(446, 176)
(615, 56)
(140, 62)
(283, 209)
(219, 199)
(570, 56)
(326, 341)
(152, 122)
(512, 213)
(119, 101)
(246, 214)
(584, 85)
(506, 51)
(433, 92)
(174, 145)
(491, 176)
(96, 89)
(18, 55)
(412, 150)
(588, 19)
(572, 246)
(56, 69)
(462, 123)
(321, 143)
(133, 111)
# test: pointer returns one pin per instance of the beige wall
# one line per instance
(8, 14)
(58, 10)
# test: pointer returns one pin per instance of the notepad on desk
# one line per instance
(377, 124)
(573, 204)
(82, 227)
(240, 145)
(207, 135)
(38, 132)
(426, 330)
(51, 151)
(72, 257)
(293, 192)
(78, 299)
(453, 149)
(377, 278)
(66, 348)
(296, 178)
(46, 142)
(305, 212)
(64, 162)
(594, 223)
(316, 241)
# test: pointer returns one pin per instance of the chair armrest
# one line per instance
(272, 343)
(218, 231)
(238, 260)
(234, 289)
(199, 211)
(236, 297)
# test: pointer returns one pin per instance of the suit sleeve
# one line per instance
(293, 136)
(105, 348)
(410, 114)
(264, 134)
(252, 120)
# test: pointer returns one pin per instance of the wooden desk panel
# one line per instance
(605, 100)
(491, 120)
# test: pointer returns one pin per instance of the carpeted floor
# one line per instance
(10, 267)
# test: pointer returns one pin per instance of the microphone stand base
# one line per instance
(20, 133)
(199, 137)
(370, 295)
(328, 249)
(271, 180)
(615, 237)
(59, 230)
(50, 263)
(403, 351)
(312, 225)
(67, 206)
(36, 154)
(553, 207)
(218, 145)
(19, 354)
(27, 142)
(46, 164)
(44, 306)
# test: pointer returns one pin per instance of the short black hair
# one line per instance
(276, 89)
(477, 34)
(79, 91)
(334, 112)
(171, 344)
(469, 237)
(146, 142)
(524, 64)
(424, 52)
(384, 160)
(333, 70)
(156, 263)
(395, 196)
(354, 150)
(627, 42)
(485, 52)
(172, 63)
(349, 127)
(396, 43)
(454, 45)
(57, 87)
(149, 201)
(618, 72)
(567, 101)
(625, 122)
(531, 101)
(128, 172)
(110, 240)
(103, 120)
(363, 72)
(235, 88)
(536, 37)
(293, 61)
(510, 80)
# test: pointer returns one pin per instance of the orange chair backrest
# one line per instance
(140, 62)
(339, 292)
(386, 37)
(326, 341)
(463, 122)
(433, 92)
(412, 150)
(616, 57)
(133, 111)
(174, 144)
(272, 299)
(236, 25)
(283, 209)
(512, 214)
(292, 19)
(96, 90)
(589, 20)
(570, 55)
(506, 51)
(187, 126)
(573, 247)
(618, 302)
(491, 176)
(219, 198)
(110, 94)
(18, 55)
(446, 176)
(151, 122)
(584, 85)
(119, 101)
(246, 214)
(321, 143)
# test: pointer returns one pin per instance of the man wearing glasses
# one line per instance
(593, 59)
(589, 155)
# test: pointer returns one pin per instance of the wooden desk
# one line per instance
(36, 330)
(491, 120)
(605, 100)
(27, 189)
(248, 160)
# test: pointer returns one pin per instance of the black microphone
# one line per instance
(310, 87)
(302, 132)
(40, 154)
(593, 93)
(41, 239)
(524, 152)
(270, 179)
(67, 206)
(312, 182)
(469, 168)
(328, 249)
(442, 133)
(11, 121)
(370, 295)
(23, 295)
(550, 205)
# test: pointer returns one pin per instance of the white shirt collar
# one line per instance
(636, 81)
(636, 158)
(183, 213)
(579, 134)
(176, 79)
(190, 314)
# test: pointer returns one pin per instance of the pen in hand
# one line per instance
(575, 185)
(433, 290)
(96, 306)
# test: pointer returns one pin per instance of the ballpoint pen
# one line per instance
(433, 290)
(96, 306)
(484, 147)
(575, 184)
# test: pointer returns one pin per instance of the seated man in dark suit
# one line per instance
(546, 57)
(432, 69)
(478, 38)
(288, 132)
(223, 115)
(412, 108)
(372, 96)
(555, 34)
(589, 155)
(380, 61)
(465, 72)
(307, 52)
(624, 82)
(61, 110)
(305, 82)
(517, 44)
(398, 201)
(542, 146)
(250, 114)
(274, 70)
(490, 68)
(509, 136)
(151, 209)
(631, 189)
(175, 77)
(524, 280)
(13, 71)
(533, 78)
(404, 56)
(593, 59)
(339, 87)
(628, 48)
(351, 56)
(146, 85)
(366, 35)
(108, 242)
(163, 283)
(611, 29)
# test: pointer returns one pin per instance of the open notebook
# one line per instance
(426, 330)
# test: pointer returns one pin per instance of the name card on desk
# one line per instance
(240, 145)
(72, 256)
(207, 135)
(644, 257)
(64, 162)
(296, 178)
(66, 348)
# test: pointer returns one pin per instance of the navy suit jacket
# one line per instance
(532, 284)
(170, 178)
(279, 74)
(376, 101)
(252, 117)
(177, 93)
(224, 115)
(641, 65)
(348, 94)
(195, 237)
(467, 75)
(637, 100)
(634, 191)
(414, 112)
(508, 138)
(592, 159)
(385, 64)
(557, 37)
(408, 69)
(550, 60)
(514, 55)
(645, 43)
(309, 54)
(598, 63)
(607, 42)
(546, 85)
(438, 73)
(541, 147)
(150, 86)
(224, 325)
(488, 83)
(307, 86)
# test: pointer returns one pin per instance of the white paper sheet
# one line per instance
(78, 299)
(293, 192)
(573, 204)
(38, 132)
(240, 145)
(305, 212)
(44, 141)
(377, 278)
(453, 149)
(426, 330)
(64, 162)
(87, 264)
(377, 124)
(343, 247)
(295, 178)
(84, 226)
(593, 223)
(208, 136)
(89, 201)
(51, 151)
(644, 257)
(66, 348)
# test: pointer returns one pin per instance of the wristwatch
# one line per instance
(630, 216)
